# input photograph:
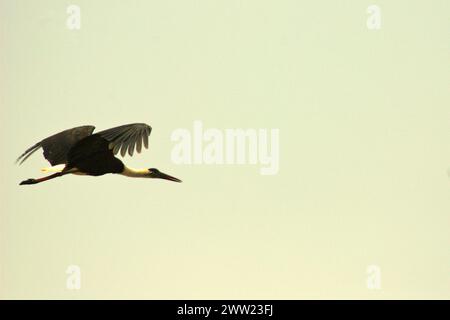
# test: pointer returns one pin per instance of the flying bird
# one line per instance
(83, 152)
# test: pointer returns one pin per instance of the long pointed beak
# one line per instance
(167, 177)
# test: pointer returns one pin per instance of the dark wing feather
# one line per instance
(57, 146)
(127, 138)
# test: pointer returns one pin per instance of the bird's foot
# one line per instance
(29, 181)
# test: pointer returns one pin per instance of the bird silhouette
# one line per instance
(86, 153)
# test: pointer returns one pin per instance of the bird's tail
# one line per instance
(57, 168)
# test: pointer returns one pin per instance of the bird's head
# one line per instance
(155, 173)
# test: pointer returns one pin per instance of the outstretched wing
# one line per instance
(127, 137)
(56, 147)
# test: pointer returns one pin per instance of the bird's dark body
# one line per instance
(93, 156)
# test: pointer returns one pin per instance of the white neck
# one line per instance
(135, 173)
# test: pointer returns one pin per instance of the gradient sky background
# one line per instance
(364, 149)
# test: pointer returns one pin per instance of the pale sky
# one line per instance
(364, 149)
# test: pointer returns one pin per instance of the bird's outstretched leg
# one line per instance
(34, 181)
